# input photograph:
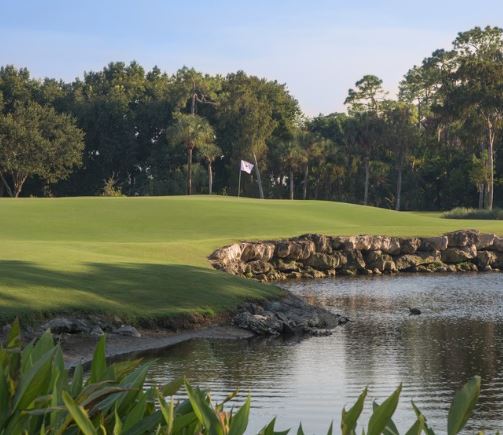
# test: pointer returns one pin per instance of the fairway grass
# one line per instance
(146, 258)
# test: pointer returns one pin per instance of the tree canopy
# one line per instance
(435, 146)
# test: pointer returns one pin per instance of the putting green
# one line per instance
(146, 257)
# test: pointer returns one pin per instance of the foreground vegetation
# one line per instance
(39, 395)
(146, 258)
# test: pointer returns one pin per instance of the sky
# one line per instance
(319, 48)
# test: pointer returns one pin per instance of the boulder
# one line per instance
(227, 254)
(486, 258)
(96, 331)
(287, 266)
(127, 330)
(380, 261)
(409, 245)
(257, 251)
(320, 261)
(294, 275)
(261, 324)
(462, 238)
(391, 245)
(282, 249)
(430, 244)
(66, 325)
(301, 249)
(376, 243)
(322, 243)
(410, 262)
(498, 260)
(459, 255)
(258, 267)
(360, 243)
(355, 260)
(486, 241)
(498, 244)
(466, 267)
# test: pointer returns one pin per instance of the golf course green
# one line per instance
(146, 257)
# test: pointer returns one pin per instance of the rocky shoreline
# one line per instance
(319, 256)
(78, 335)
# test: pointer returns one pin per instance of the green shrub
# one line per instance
(474, 213)
(38, 395)
(110, 188)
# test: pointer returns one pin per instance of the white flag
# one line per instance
(246, 166)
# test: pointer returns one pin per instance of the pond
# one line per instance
(459, 334)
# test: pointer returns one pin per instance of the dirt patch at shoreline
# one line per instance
(79, 349)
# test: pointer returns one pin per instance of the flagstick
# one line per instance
(239, 182)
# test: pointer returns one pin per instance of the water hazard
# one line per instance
(459, 334)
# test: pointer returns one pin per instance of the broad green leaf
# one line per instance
(99, 364)
(4, 397)
(172, 387)
(269, 429)
(427, 430)
(147, 425)
(182, 421)
(390, 428)
(131, 385)
(14, 336)
(78, 376)
(330, 429)
(417, 427)
(300, 431)
(383, 413)
(79, 415)
(168, 412)
(43, 345)
(239, 421)
(350, 418)
(462, 406)
(117, 423)
(35, 382)
(136, 414)
(204, 413)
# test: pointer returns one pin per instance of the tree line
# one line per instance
(434, 146)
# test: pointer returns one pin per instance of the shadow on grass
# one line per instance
(132, 290)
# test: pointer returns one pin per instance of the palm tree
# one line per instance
(209, 151)
(191, 131)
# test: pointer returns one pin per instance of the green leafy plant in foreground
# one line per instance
(38, 395)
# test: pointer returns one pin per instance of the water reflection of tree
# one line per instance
(443, 352)
(229, 363)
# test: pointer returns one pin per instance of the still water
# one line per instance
(459, 334)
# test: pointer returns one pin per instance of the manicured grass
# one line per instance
(146, 257)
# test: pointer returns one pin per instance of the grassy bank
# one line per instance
(146, 257)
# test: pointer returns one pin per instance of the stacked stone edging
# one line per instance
(317, 255)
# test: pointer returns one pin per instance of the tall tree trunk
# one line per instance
(367, 176)
(490, 190)
(210, 178)
(399, 186)
(291, 183)
(481, 188)
(6, 185)
(259, 178)
(306, 173)
(189, 171)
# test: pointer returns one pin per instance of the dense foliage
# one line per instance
(434, 147)
(39, 395)
(474, 213)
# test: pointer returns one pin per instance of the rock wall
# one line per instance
(317, 255)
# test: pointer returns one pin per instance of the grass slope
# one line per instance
(146, 257)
